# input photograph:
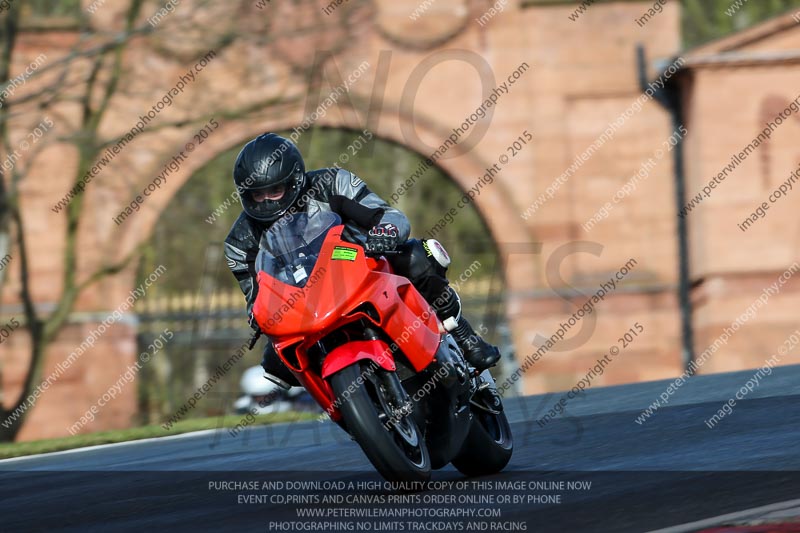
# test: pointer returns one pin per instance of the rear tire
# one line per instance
(400, 453)
(488, 446)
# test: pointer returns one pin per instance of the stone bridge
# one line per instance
(484, 73)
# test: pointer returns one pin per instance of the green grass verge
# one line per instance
(18, 449)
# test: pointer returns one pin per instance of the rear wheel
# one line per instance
(394, 446)
(488, 446)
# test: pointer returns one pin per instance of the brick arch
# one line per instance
(568, 69)
(494, 204)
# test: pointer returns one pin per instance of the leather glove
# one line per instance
(382, 238)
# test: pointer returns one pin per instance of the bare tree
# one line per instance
(93, 74)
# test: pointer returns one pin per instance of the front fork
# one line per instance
(449, 370)
(395, 402)
(399, 403)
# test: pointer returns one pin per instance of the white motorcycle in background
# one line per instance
(261, 396)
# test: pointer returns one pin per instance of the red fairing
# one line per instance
(342, 281)
(352, 352)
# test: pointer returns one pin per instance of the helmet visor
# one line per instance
(267, 203)
(274, 193)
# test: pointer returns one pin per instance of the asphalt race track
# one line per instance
(670, 470)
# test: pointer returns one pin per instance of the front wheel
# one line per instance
(397, 450)
(488, 446)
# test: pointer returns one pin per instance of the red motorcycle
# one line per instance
(372, 352)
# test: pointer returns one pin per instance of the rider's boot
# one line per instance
(275, 371)
(478, 353)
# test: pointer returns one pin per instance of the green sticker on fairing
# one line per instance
(343, 253)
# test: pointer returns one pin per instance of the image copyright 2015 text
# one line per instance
(173, 166)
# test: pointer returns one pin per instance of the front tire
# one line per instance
(399, 453)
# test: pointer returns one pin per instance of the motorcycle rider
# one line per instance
(271, 179)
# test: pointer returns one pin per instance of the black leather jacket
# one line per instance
(329, 189)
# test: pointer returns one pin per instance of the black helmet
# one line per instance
(270, 176)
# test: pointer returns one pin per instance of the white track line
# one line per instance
(717, 520)
(109, 445)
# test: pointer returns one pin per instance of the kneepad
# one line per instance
(420, 260)
(434, 249)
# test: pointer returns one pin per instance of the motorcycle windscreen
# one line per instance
(290, 249)
(306, 275)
